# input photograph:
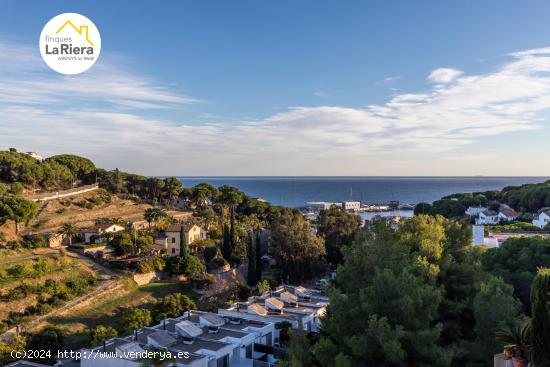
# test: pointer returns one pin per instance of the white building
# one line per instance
(301, 307)
(542, 219)
(352, 205)
(321, 205)
(99, 230)
(504, 214)
(488, 217)
(474, 211)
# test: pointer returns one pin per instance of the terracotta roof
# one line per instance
(509, 212)
(99, 227)
(177, 227)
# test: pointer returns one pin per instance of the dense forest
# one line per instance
(422, 295)
(528, 198)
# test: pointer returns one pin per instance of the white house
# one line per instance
(542, 219)
(507, 215)
(488, 217)
(474, 211)
(99, 230)
(504, 214)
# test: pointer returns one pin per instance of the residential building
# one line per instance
(542, 219)
(95, 233)
(507, 214)
(170, 239)
(474, 211)
(503, 214)
(302, 308)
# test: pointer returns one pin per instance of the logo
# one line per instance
(70, 43)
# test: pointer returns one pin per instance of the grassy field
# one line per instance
(106, 308)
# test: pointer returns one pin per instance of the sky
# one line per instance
(311, 87)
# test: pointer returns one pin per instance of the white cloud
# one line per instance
(444, 75)
(99, 115)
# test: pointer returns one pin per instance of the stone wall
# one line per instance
(63, 193)
(146, 278)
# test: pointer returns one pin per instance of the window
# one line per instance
(173, 250)
(173, 239)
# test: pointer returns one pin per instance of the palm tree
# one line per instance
(70, 231)
(153, 214)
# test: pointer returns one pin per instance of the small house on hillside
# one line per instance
(474, 211)
(503, 214)
(170, 239)
(508, 215)
(94, 234)
(542, 219)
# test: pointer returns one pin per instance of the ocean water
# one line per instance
(296, 191)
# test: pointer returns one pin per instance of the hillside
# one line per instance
(83, 210)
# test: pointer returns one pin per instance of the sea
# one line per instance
(297, 191)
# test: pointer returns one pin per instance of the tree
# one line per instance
(258, 253)
(383, 310)
(17, 209)
(80, 167)
(17, 188)
(263, 286)
(123, 243)
(172, 188)
(183, 243)
(423, 208)
(7, 349)
(540, 303)
(49, 339)
(227, 249)
(172, 305)
(100, 333)
(251, 274)
(516, 261)
(153, 214)
(298, 353)
(338, 228)
(299, 253)
(495, 308)
(135, 318)
(70, 231)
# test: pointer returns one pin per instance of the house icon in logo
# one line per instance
(82, 30)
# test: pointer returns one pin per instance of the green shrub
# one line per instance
(540, 301)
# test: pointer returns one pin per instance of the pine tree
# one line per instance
(251, 276)
(540, 310)
(258, 253)
(227, 250)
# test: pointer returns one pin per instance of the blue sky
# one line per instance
(288, 87)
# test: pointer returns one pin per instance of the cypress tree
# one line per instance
(183, 244)
(540, 311)
(251, 276)
(232, 233)
(227, 250)
(258, 253)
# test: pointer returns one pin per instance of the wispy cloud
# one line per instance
(27, 83)
(444, 75)
(98, 114)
